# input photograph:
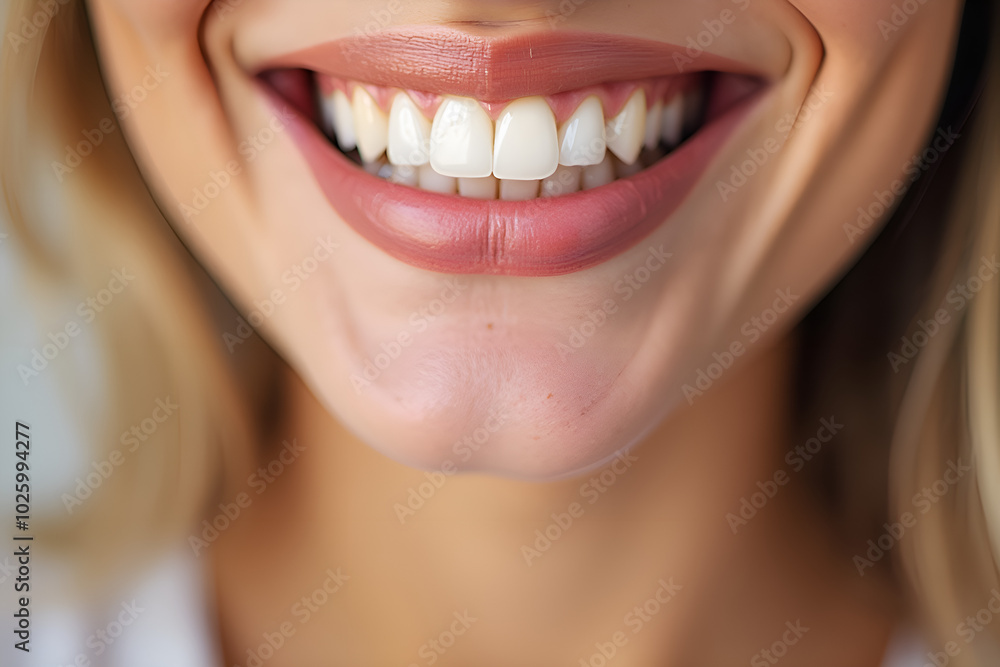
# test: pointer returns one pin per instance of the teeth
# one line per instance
(581, 138)
(565, 181)
(597, 175)
(339, 117)
(512, 190)
(526, 155)
(409, 133)
(371, 125)
(654, 126)
(626, 131)
(462, 139)
(673, 121)
(478, 188)
(526, 145)
(429, 179)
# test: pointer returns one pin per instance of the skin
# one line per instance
(872, 102)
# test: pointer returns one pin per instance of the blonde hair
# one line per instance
(946, 405)
(951, 409)
(156, 339)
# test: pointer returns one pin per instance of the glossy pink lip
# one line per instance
(492, 69)
(540, 237)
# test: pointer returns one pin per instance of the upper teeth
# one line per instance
(626, 132)
(525, 144)
(371, 125)
(340, 118)
(462, 139)
(409, 133)
(581, 138)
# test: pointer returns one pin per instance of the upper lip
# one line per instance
(445, 61)
(541, 237)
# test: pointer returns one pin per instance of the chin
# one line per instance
(514, 410)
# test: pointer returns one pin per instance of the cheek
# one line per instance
(865, 26)
(153, 19)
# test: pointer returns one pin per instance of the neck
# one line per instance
(637, 558)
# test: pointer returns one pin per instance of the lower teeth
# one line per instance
(566, 180)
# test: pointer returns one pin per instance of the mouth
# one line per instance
(532, 156)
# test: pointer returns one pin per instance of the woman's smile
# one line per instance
(534, 119)
(560, 303)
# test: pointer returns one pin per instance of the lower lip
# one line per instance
(538, 237)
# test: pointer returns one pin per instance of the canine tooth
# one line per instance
(513, 190)
(565, 181)
(429, 179)
(462, 139)
(341, 118)
(653, 125)
(409, 133)
(581, 137)
(673, 121)
(597, 175)
(478, 188)
(626, 131)
(371, 125)
(527, 143)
